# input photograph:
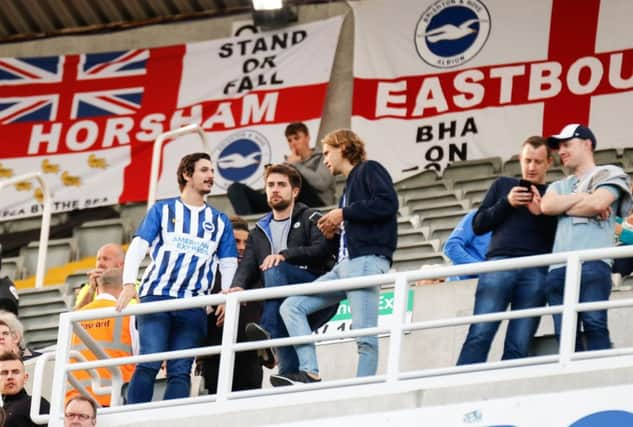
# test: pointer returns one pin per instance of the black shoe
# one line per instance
(267, 356)
(300, 377)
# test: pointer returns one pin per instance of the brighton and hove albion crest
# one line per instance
(241, 158)
(450, 33)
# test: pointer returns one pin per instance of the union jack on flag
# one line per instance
(71, 87)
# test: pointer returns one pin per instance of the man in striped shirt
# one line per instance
(187, 240)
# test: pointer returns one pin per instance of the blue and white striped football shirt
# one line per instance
(185, 245)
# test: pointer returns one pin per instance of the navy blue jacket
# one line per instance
(370, 211)
(515, 231)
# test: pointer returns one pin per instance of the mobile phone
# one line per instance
(527, 185)
(315, 216)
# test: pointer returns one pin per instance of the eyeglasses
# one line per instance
(82, 417)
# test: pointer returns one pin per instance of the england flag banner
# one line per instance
(88, 121)
(449, 80)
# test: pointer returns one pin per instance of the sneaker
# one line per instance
(300, 377)
(267, 356)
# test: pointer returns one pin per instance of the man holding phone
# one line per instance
(285, 247)
(511, 210)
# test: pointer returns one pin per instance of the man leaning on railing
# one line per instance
(586, 204)
(187, 238)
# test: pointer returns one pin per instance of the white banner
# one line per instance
(450, 80)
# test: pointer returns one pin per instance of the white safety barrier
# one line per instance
(566, 361)
(40, 270)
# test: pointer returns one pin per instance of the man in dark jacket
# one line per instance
(17, 402)
(284, 248)
(366, 226)
(511, 210)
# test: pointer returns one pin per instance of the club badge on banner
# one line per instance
(87, 121)
(449, 80)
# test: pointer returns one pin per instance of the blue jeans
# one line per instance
(521, 289)
(173, 330)
(595, 285)
(283, 274)
(364, 305)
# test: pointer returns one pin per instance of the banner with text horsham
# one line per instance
(447, 80)
(87, 121)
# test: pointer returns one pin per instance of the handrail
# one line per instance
(564, 360)
(157, 154)
(40, 270)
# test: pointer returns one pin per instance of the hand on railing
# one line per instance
(129, 292)
(219, 311)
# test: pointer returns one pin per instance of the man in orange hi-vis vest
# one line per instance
(116, 335)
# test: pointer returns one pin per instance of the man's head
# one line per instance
(282, 184)
(15, 341)
(342, 149)
(111, 282)
(196, 171)
(298, 139)
(110, 255)
(12, 373)
(575, 144)
(80, 412)
(535, 158)
(240, 232)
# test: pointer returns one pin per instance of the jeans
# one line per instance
(364, 306)
(595, 285)
(283, 274)
(521, 289)
(173, 330)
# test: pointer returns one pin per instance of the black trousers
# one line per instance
(247, 201)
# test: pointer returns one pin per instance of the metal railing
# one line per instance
(565, 360)
(40, 270)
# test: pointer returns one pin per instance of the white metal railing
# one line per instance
(157, 155)
(40, 270)
(538, 366)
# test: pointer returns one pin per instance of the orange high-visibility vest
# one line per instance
(113, 334)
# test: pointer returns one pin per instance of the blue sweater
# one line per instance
(369, 213)
(463, 246)
(515, 231)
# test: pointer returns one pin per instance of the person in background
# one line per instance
(188, 240)
(585, 204)
(109, 256)
(117, 336)
(13, 339)
(247, 373)
(16, 401)
(463, 246)
(80, 411)
(365, 224)
(318, 184)
(511, 211)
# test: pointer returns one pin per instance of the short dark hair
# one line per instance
(296, 127)
(536, 142)
(188, 165)
(352, 147)
(239, 223)
(291, 172)
(83, 398)
(8, 356)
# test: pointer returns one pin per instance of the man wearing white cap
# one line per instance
(586, 203)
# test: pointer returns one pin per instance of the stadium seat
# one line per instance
(480, 183)
(221, 202)
(133, 214)
(512, 167)
(442, 221)
(440, 208)
(419, 248)
(608, 156)
(475, 196)
(60, 251)
(467, 169)
(39, 313)
(426, 177)
(91, 235)
(414, 262)
(426, 201)
(11, 268)
(411, 237)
